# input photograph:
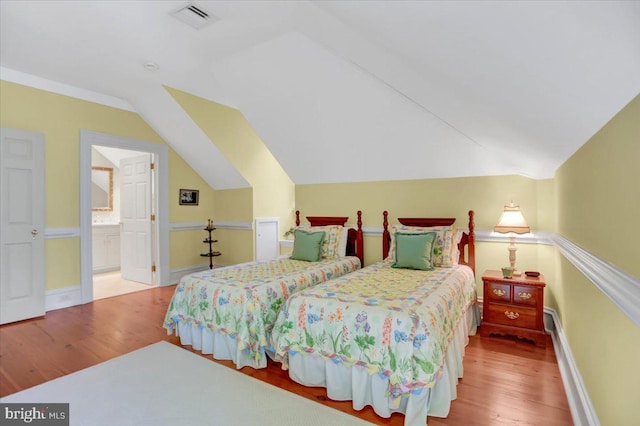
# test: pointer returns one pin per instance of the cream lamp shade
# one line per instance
(512, 222)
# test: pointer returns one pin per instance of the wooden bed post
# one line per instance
(468, 239)
(471, 247)
(355, 240)
(360, 240)
(385, 235)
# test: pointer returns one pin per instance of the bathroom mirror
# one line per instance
(102, 189)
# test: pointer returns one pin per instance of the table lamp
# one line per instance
(512, 222)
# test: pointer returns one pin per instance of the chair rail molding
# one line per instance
(534, 237)
(190, 226)
(187, 226)
(623, 289)
(243, 226)
(54, 233)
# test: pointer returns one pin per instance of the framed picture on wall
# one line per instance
(189, 197)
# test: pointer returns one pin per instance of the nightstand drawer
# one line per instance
(498, 292)
(511, 315)
(525, 295)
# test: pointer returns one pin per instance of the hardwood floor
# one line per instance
(506, 381)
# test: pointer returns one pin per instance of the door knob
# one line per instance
(34, 232)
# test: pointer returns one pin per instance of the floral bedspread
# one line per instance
(394, 322)
(243, 301)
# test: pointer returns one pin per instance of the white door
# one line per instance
(267, 243)
(135, 218)
(22, 224)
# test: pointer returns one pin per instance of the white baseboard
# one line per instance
(104, 270)
(62, 298)
(582, 410)
(176, 274)
(72, 296)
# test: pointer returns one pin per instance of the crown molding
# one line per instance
(36, 82)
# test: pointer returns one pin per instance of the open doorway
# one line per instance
(118, 242)
(119, 267)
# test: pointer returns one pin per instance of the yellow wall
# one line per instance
(182, 176)
(273, 191)
(60, 119)
(186, 246)
(452, 197)
(598, 208)
(236, 245)
(433, 197)
(599, 192)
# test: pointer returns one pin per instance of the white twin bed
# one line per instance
(391, 335)
(229, 312)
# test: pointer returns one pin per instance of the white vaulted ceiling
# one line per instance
(343, 91)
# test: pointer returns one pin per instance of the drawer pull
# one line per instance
(511, 315)
(498, 292)
(525, 296)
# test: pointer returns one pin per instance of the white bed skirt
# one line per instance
(345, 383)
(219, 345)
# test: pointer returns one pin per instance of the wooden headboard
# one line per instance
(467, 257)
(355, 241)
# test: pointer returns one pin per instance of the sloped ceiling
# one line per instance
(114, 155)
(354, 90)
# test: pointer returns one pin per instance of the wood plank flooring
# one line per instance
(506, 381)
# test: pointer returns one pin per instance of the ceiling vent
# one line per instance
(194, 16)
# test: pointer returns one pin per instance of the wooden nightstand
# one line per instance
(513, 306)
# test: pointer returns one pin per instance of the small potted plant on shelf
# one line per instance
(289, 233)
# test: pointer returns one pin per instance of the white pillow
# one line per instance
(456, 240)
(342, 245)
(330, 244)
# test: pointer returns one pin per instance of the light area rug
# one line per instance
(163, 384)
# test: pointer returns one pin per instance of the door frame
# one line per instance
(89, 138)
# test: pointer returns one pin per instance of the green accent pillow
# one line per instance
(414, 251)
(307, 245)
